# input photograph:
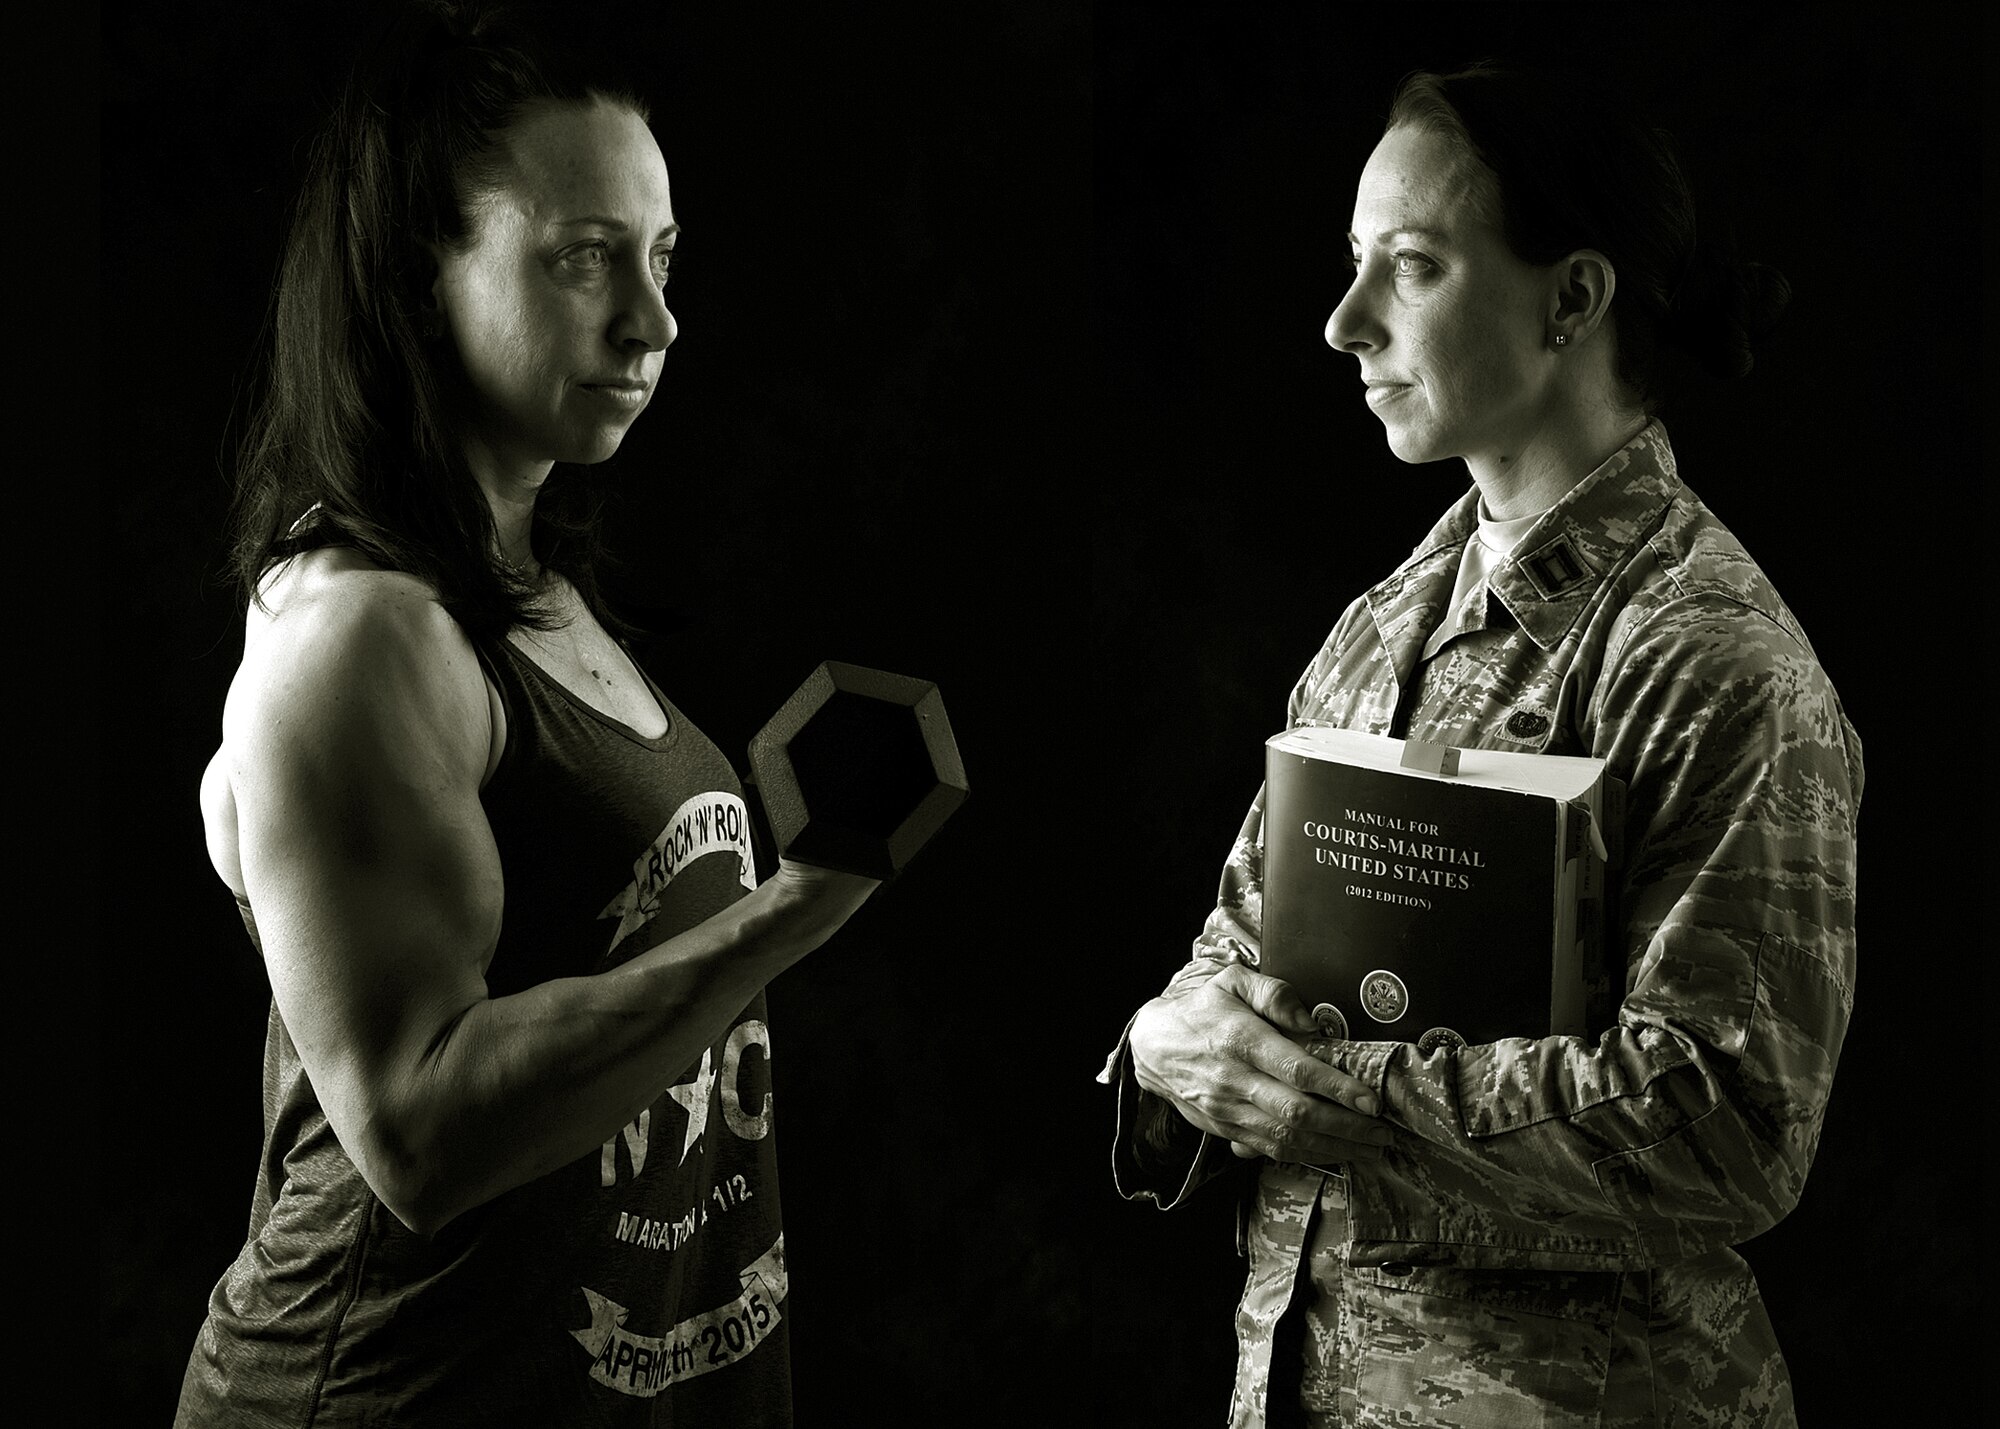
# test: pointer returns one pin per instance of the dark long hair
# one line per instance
(1574, 168)
(352, 440)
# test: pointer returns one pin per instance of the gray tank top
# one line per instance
(643, 1284)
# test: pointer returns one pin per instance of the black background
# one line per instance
(1001, 364)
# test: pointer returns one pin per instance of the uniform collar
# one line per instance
(1556, 570)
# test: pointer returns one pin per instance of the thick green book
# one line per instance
(1444, 909)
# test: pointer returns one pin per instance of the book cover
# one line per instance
(1435, 908)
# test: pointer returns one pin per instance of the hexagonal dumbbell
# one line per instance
(858, 770)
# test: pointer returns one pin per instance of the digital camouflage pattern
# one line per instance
(1548, 1238)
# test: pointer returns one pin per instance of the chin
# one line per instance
(1421, 438)
(594, 447)
(1411, 447)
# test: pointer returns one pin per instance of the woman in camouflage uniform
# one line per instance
(1540, 1231)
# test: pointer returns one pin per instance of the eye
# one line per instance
(591, 257)
(1404, 263)
(663, 265)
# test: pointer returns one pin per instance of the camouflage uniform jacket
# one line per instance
(1608, 1175)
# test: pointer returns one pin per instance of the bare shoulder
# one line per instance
(337, 644)
(359, 705)
(334, 585)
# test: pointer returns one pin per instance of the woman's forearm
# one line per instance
(514, 1087)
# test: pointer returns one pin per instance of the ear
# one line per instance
(1585, 283)
(430, 280)
(431, 292)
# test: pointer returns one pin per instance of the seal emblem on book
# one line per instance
(1383, 996)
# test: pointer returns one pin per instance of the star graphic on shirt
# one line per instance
(693, 1097)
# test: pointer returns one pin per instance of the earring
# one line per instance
(1561, 338)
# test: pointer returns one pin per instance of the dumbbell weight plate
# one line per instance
(858, 770)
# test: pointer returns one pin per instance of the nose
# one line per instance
(1353, 327)
(643, 323)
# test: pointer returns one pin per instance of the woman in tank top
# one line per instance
(518, 1162)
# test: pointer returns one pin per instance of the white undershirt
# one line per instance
(1489, 546)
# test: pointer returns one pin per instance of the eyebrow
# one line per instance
(616, 225)
(1435, 234)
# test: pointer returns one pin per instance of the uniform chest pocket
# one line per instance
(1480, 1347)
(1492, 689)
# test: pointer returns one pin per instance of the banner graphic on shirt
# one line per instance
(715, 822)
(643, 1365)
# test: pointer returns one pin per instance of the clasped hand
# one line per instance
(1230, 1056)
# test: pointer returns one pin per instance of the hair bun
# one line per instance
(1725, 310)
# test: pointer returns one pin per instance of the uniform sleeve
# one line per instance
(1691, 1122)
(1156, 1154)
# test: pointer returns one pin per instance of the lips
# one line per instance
(621, 394)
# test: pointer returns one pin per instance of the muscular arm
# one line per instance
(356, 737)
